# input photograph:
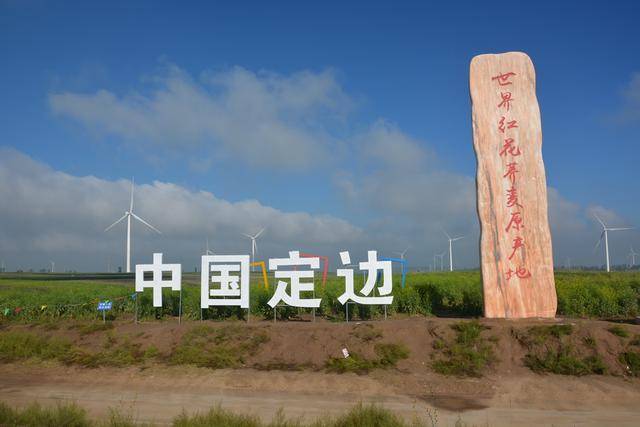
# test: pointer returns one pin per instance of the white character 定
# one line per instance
(297, 286)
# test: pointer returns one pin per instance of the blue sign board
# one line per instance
(105, 305)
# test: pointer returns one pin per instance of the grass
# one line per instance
(468, 355)
(580, 294)
(71, 415)
(551, 349)
(366, 332)
(564, 361)
(388, 355)
(631, 360)
(16, 346)
(619, 331)
(217, 348)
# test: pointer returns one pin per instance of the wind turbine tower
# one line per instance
(633, 254)
(207, 250)
(605, 235)
(128, 215)
(254, 245)
(451, 240)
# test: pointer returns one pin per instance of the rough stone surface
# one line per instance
(511, 295)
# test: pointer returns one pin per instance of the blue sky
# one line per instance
(387, 70)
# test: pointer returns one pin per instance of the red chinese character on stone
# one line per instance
(506, 100)
(503, 79)
(511, 172)
(518, 243)
(509, 124)
(515, 222)
(520, 272)
(512, 198)
(509, 148)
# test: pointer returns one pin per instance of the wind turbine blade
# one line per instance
(259, 233)
(247, 235)
(145, 223)
(255, 245)
(445, 233)
(131, 204)
(600, 221)
(458, 238)
(620, 228)
(112, 225)
(598, 243)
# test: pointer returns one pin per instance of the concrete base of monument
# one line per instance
(289, 373)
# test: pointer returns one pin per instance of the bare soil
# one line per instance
(288, 372)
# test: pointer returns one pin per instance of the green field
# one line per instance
(580, 294)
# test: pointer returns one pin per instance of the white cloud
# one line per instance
(53, 215)
(263, 118)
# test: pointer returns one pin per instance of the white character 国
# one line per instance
(371, 266)
(162, 276)
(294, 299)
(230, 275)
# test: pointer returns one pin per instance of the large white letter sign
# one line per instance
(172, 279)
(232, 281)
(294, 276)
(372, 265)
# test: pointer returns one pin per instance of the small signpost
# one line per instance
(103, 306)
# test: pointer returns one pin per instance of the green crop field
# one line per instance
(580, 294)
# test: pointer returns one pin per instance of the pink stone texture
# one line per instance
(517, 282)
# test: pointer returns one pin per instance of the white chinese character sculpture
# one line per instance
(294, 277)
(157, 282)
(232, 281)
(371, 266)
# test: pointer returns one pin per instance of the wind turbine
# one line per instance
(402, 253)
(254, 245)
(633, 254)
(128, 215)
(208, 251)
(441, 256)
(605, 234)
(451, 240)
(53, 266)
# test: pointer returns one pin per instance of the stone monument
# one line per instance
(515, 241)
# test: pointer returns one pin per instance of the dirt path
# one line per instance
(159, 393)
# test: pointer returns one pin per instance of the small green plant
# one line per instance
(366, 332)
(468, 355)
(564, 362)
(16, 346)
(216, 348)
(552, 349)
(619, 331)
(36, 415)
(631, 360)
(589, 341)
(388, 355)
